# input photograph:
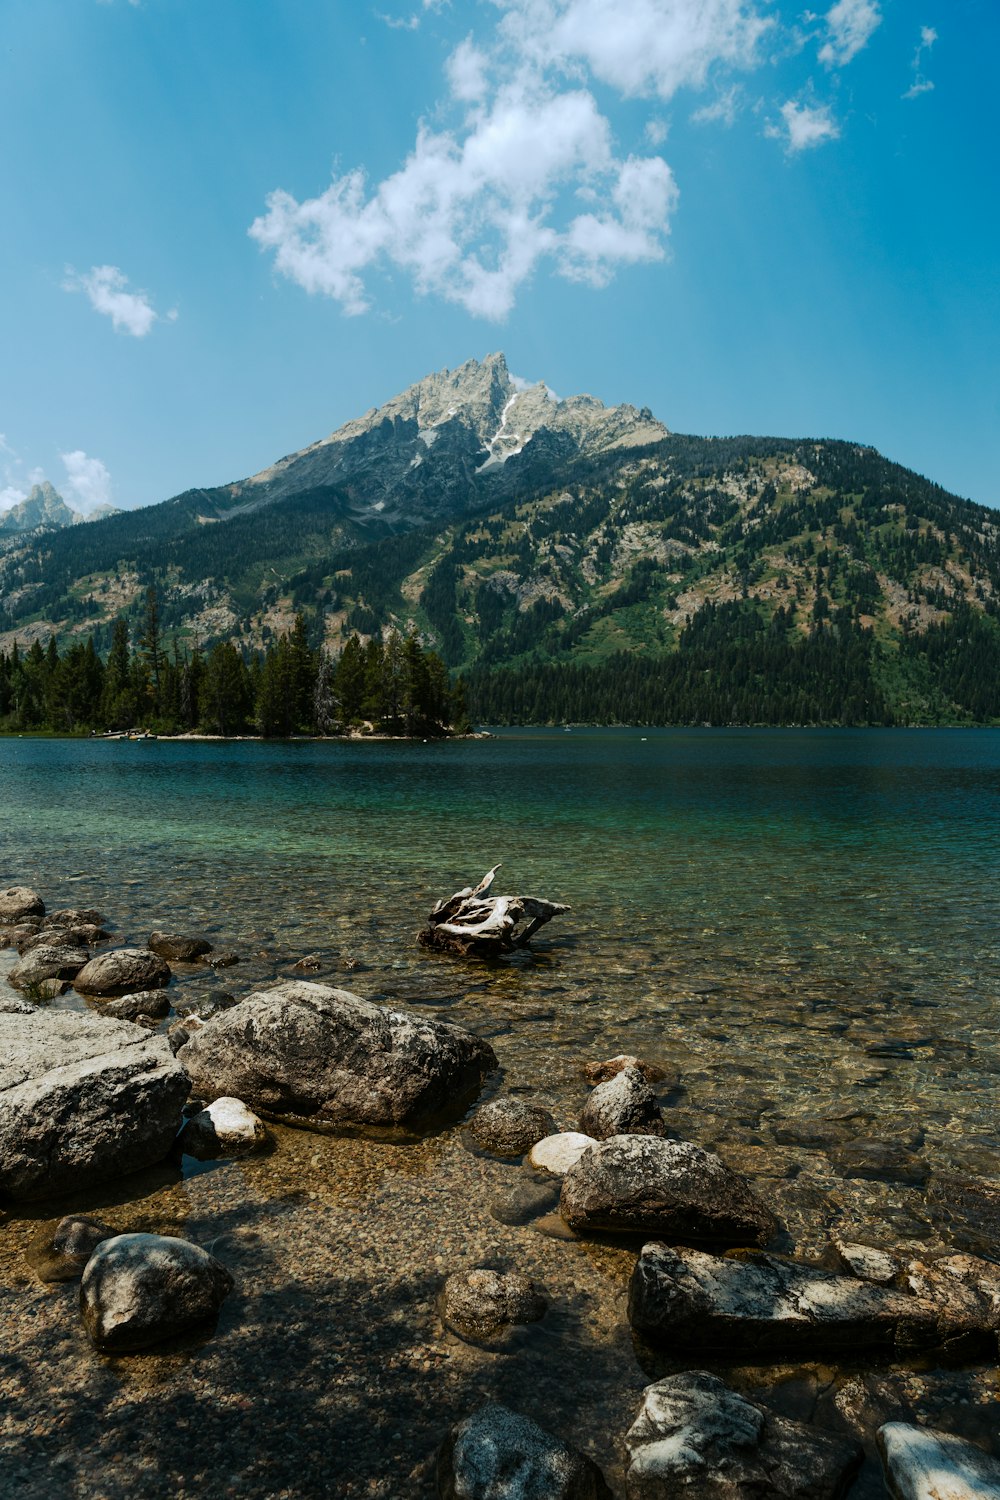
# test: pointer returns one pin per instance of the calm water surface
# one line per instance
(800, 926)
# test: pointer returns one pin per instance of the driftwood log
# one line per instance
(473, 922)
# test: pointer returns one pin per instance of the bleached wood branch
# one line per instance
(470, 921)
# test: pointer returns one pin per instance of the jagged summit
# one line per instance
(43, 506)
(454, 431)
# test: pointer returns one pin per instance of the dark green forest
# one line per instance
(388, 687)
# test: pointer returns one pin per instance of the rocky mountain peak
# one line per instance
(43, 506)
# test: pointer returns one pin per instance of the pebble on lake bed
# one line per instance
(557, 1153)
(497, 1454)
(142, 1289)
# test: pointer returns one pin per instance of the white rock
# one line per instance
(867, 1263)
(557, 1153)
(225, 1128)
(921, 1464)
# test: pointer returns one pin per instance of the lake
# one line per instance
(801, 927)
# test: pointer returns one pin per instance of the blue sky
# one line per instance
(231, 225)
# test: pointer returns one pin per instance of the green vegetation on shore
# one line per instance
(385, 687)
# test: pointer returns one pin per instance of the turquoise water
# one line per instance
(768, 904)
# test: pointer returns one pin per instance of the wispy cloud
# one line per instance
(920, 84)
(530, 174)
(723, 109)
(850, 25)
(803, 126)
(88, 482)
(107, 288)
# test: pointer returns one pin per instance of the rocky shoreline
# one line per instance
(772, 1372)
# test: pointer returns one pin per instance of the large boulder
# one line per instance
(47, 962)
(761, 1306)
(496, 1454)
(82, 1100)
(122, 971)
(178, 948)
(695, 1436)
(510, 1127)
(921, 1464)
(141, 1289)
(640, 1184)
(19, 901)
(622, 1105)
(326, 1055)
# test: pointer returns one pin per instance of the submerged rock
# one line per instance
(203, 1004)
(13, 937)
(123, 971)
(482, 1306)
(694, 1436)
(60, 1254)
(510, 1127)
(320, 1053)
(601, 1072)
(74, 916)
(558, 1153)
(867, 1262)
(639, 1184)
(182, 950)
(624, 1105)
(82, 1100)
(18, 902)
(762, 1305)
(496, 1454)
(145, 1005)
(223, 1128)
(921, 1464)
(47, 962)
(141, 1289)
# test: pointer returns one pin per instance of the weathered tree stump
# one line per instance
(473, 922)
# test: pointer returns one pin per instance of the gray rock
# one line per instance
(639, 1184)
(921, 1464)
(74, 916)
(223, 1128)
(327, 1055)
(203, 1004)
(527, 1201)
(867, 1263)
(48, 989)
(761, 1306)
(60, 1254)
(13, 937)
(82, 1100)
(145, 1005)
(141, 1289)
(624, 1105)
(482, 1305)
(19, 901)
(222, 960)
(180, 949)
(47, 962)
(83, 935)
(510, 1127)
(181, 1032)
(694, 1436)
(496, 1454)
(123, 971)
(312, 963)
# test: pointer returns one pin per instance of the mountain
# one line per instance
(574, 561)
(44, 506)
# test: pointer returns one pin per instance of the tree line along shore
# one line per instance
(390, 687)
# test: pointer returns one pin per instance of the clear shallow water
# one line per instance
(800, 926)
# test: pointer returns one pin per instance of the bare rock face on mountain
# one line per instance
(444, 444)
(328, 1056)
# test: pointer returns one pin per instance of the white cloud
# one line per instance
(656, 131)
(10, 496)
(88, 482)
(531, 175)
(920, 84)
(107, 289)
(398, 23)
(804, 126)
(851, 24)
(722, 111)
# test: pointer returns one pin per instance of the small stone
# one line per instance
(226, 1127)
(496, 1454)
(223, 960)
(141, 1289)
(510, 1127)
(60, 1254)
(601, 1072)
(178, 948)
(311, 964)
(481, 1305)
(624, 1105)
(50, 989)
(921, 1464)
(557, 1153)
(867, 1263)
(19, 901)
